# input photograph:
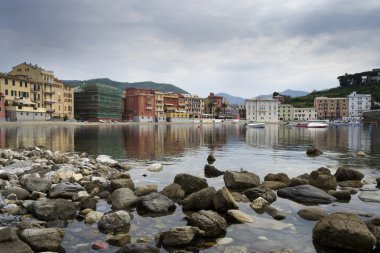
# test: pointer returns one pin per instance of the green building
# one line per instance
(94, 102)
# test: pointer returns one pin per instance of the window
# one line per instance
(20, 83)
(27, 113)
(13, 82)
(6, 81)
(6, 92)
(41, 113)
(26, 85)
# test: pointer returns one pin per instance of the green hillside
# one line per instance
(164, 87)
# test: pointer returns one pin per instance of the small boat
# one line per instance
(255, 125)
(317, 125)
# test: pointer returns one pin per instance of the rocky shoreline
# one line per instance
(42, 192)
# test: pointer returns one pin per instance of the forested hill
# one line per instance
(164, 87)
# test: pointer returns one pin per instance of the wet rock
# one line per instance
(145, 189)
(209, 221)
(259, 204)
(37, 184)
(155, 167)
(173, 192)
(106, 172)
(240, 180)
(45, 239)
(261, 191)
(211, 159)
(155, 204)
(20, 192)
(99, 245)
(312, 213)
(223, 201)
(119, 240)
(322, 179)
(10, 242)
(306, 194)
(49, 209)
(343, 231)
(211, 171)
(239, 197)
(37, 195)
(60, 159)
(239, 216)
(283, 251)
(273, 185)
(340, 195)
(65, 190)
(88, 202)
(374, 226)
(118, 221)
(279, 177)
(201, 200)
(105, 160)
(123, 198)
(351, 183)
(138, 248)
(93, 217)
(313, 151)
(178, 236)
(190, 183)
(345, 174)
(351, 190)
(236, 249)
(360, 154)
(378, 181)
(7, 220)
(370, 196)
(274, 212)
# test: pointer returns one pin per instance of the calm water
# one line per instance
(184, 148)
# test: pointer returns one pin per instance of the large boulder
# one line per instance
(322, 179)
(239, 216)
(43, 239)
(345, 174)
(295, 181)
(370, 196)
(345, 232)
(190, 183)
(280, 177)
(37, 184)
(211, 171)
(123, 198)
(65, 190)
(145, 189)
(312, 213)
(261, 191)
(240, 180)
(53, 209)
(10, 242)
(306, 194)
(201, 200)
(138, 248)
(121, 183)
(106, 160)
(211, 159)
(18, 191)
(173, 192)
(343, 195)
(223, 201)
(118, 221)
(178, 236)
(155, 204)
(211, 222)
(313, 151)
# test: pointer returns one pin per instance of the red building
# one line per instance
(139, 105)
(2, 107)
(213, 103)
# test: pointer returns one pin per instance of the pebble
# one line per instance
(224, 241)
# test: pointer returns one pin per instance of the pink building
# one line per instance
(139, 105)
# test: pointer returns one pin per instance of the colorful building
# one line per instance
(160, 115)
(331, 108)
(2, 107)
(304, 114)
(214, 104)
(357, 104)
(195, 105)
(285, 112)
(242, 112)
(139, 105)
(262, 110)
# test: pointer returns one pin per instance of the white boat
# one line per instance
(255, 125)
(317, 125)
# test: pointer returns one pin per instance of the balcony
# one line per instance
(49, 92)
(49, 110)
(49, 102)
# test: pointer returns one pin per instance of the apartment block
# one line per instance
(357, 104)
(160, 115)
(195, 105)
(139, 105)
(331, 108)
(242, 112)
(304, 114)
(262, 110)
(285, 112)
(2, 107)
(213, 103)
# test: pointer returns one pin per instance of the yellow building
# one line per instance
(331, 108)
(285, 112)
(62, 95)
(195, 105)
(160, 114)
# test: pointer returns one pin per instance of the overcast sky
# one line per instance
(242, 47)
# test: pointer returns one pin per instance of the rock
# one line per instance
(295, 181)
(60, 159)
(351, 183)
(118, 221)
(282, 251)
(273, 185)
(374, 226)
(189, 183)
(360, 154)
(155, 204)
(37, 195)
(345, 174)
(313, 151)
(49, 209)
(223, 201)
(210, 171)
(261, 191)
(88, 202)
(274, 212)
(239, 197)
(279, 177)
(44, 239)
(378, 181)
(8, 220)
(10, 242)
(259, 204)
(306, 194)
(343, 231)
(145, 189)
(236, 249)
(201, 200)
(312, 213)
(37, 184)
(20, 192)
(210, 222)
(173, 192)
(340, 195)
(123, 198)
(369, 196)
(65, 190)
(322, 179)
(211, 159)
(240, 180)
(93, 217)
(138, 248)
(239, 216)
(99, 245)
(121, 183)
(178, 236)
(119, 240)
(105, 160)
(155, 167)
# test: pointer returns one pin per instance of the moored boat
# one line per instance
(255, 125)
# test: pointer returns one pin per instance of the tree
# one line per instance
(217, 111)
(275, 94)
(224, 105)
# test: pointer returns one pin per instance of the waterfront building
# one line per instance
(195, 105)
(62, 96)
(262, 110)
(304, 114)
(242, 112)
(160, 115)
(280, 98)
(139, 105)
(2, 107)
(331, 108)
(357, 103)
(94, 102)
(285, 112)
(214, 104)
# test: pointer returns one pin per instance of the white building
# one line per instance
(262, 110)
(304, 114)
(357, 103)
